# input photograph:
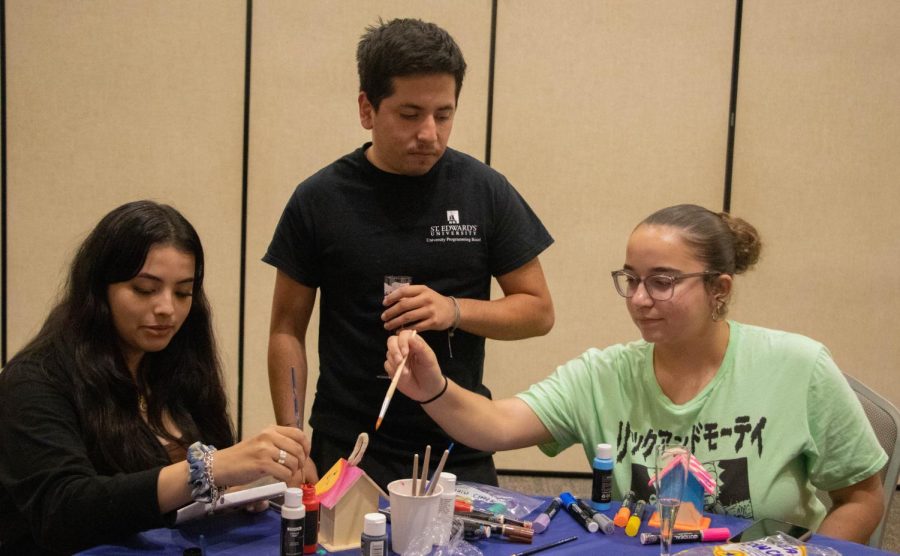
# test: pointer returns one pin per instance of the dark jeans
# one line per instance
(384, 467)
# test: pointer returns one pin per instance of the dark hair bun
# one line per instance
(747, 244)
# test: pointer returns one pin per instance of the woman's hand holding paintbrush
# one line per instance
(423, 379)
(390, 393)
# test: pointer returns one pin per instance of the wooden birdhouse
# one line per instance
(346, 494)
(690, 513)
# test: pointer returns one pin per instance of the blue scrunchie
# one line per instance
(201, 489)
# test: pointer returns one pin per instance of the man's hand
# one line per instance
(418, 308)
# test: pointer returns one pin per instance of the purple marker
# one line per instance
(542, 521)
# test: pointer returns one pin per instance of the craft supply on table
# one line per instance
(579, 515)
(601, 486)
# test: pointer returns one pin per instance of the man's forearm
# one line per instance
(513, 317)
(286, 356)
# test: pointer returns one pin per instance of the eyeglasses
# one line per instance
(660, 287)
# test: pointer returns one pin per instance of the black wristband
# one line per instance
(439, 394)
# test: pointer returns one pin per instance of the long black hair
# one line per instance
(184, 380)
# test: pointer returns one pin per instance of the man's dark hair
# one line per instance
(404, 47)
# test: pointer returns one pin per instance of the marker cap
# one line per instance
(716, 534)
(541, 523)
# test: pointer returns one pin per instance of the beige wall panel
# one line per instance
(816, 170)
(115, 101)
(304, 116)
(603, 113)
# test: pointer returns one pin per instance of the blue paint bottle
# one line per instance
(601, 489)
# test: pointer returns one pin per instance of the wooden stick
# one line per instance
(391, 388)
(437, 472)
(425, 464)
(414, 491)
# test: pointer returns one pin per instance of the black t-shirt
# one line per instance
(347, 227)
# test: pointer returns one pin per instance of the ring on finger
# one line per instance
(282, 456)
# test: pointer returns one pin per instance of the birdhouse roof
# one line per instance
(695, 469)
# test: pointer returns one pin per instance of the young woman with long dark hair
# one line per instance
(111, 415)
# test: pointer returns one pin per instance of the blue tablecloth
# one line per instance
(240, 533)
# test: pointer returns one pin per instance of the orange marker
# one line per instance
(624, 512)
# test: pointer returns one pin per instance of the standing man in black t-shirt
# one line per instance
(401, 233)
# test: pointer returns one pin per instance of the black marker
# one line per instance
(577, 513)
(603, 522)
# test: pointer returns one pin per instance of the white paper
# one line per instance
(230, 500)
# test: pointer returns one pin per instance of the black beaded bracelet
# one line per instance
(439, 394)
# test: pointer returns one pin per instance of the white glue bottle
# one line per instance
(293, 517)
(445, 507)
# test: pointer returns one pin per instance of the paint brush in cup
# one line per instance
(425, 463)
(391, 388)
(437, 471)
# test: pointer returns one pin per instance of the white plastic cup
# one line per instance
(413, 518)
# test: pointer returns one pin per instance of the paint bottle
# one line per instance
(311, 530)
(373, 541)
(445, 506)
(601, 489)
(293, 518)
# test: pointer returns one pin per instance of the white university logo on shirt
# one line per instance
(453, 231)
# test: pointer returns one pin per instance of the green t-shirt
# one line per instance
(777, 422)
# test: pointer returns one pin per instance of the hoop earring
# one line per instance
(717, 312)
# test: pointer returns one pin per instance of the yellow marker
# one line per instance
(634, 522)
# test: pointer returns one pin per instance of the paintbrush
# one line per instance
(414, 488)
(425, 462)
(296, 401)
(437, 471)
(392, 387)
